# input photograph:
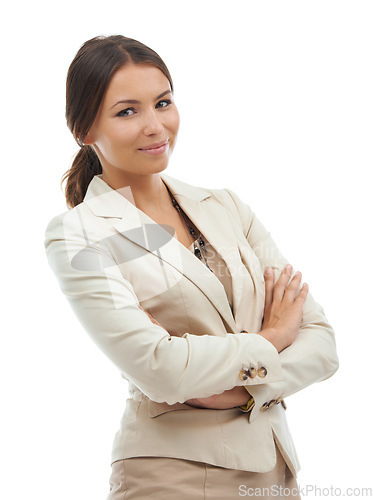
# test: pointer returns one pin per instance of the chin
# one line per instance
(157, 168)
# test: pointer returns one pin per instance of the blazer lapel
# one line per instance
(210, 219)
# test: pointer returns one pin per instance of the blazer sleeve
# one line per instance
(165, 368)
(312, 357)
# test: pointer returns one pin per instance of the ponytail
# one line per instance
(84, 167)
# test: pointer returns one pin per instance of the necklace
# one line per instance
(197, 251)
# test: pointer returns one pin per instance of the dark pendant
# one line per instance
(197, 252)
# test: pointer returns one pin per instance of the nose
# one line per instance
(152, 123)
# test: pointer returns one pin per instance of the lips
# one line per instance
(156, 145)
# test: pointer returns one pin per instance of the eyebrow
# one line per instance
(134, 101)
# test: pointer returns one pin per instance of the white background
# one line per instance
(276, 103)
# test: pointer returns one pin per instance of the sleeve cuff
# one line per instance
(249, 405)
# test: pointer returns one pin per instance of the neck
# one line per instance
(147, 192)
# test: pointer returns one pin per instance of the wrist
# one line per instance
(250, 403)
(242, 396)
(270, 335)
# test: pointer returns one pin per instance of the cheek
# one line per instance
(174, 121)
(117, 139)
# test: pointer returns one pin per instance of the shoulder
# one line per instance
(73, 224)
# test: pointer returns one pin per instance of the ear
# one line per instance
(89, 139)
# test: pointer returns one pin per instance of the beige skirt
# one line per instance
(176, 479)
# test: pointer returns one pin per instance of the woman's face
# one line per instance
(123, 131)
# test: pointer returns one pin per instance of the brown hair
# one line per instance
(88, 78)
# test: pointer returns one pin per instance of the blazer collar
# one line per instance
(105, 201)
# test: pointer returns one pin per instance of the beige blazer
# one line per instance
(109, 256)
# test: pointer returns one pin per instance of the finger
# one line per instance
(302, 295)
(191, 402)
(269, 283)
(149, 315)
(279, 288)
(146, 312)
(292, 289)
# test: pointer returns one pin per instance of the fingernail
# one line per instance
(288, 267)
(268, 270)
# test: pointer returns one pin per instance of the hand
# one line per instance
(238, 396)
(283, 308)
(153, 320)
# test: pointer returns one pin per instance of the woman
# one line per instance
(184, 290)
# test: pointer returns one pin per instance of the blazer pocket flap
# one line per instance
(155, 409)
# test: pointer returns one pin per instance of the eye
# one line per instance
(125, 112)
(166, 101)
(129, 111)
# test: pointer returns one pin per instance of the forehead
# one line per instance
(135, 81)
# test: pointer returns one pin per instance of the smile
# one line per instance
(156, 149)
